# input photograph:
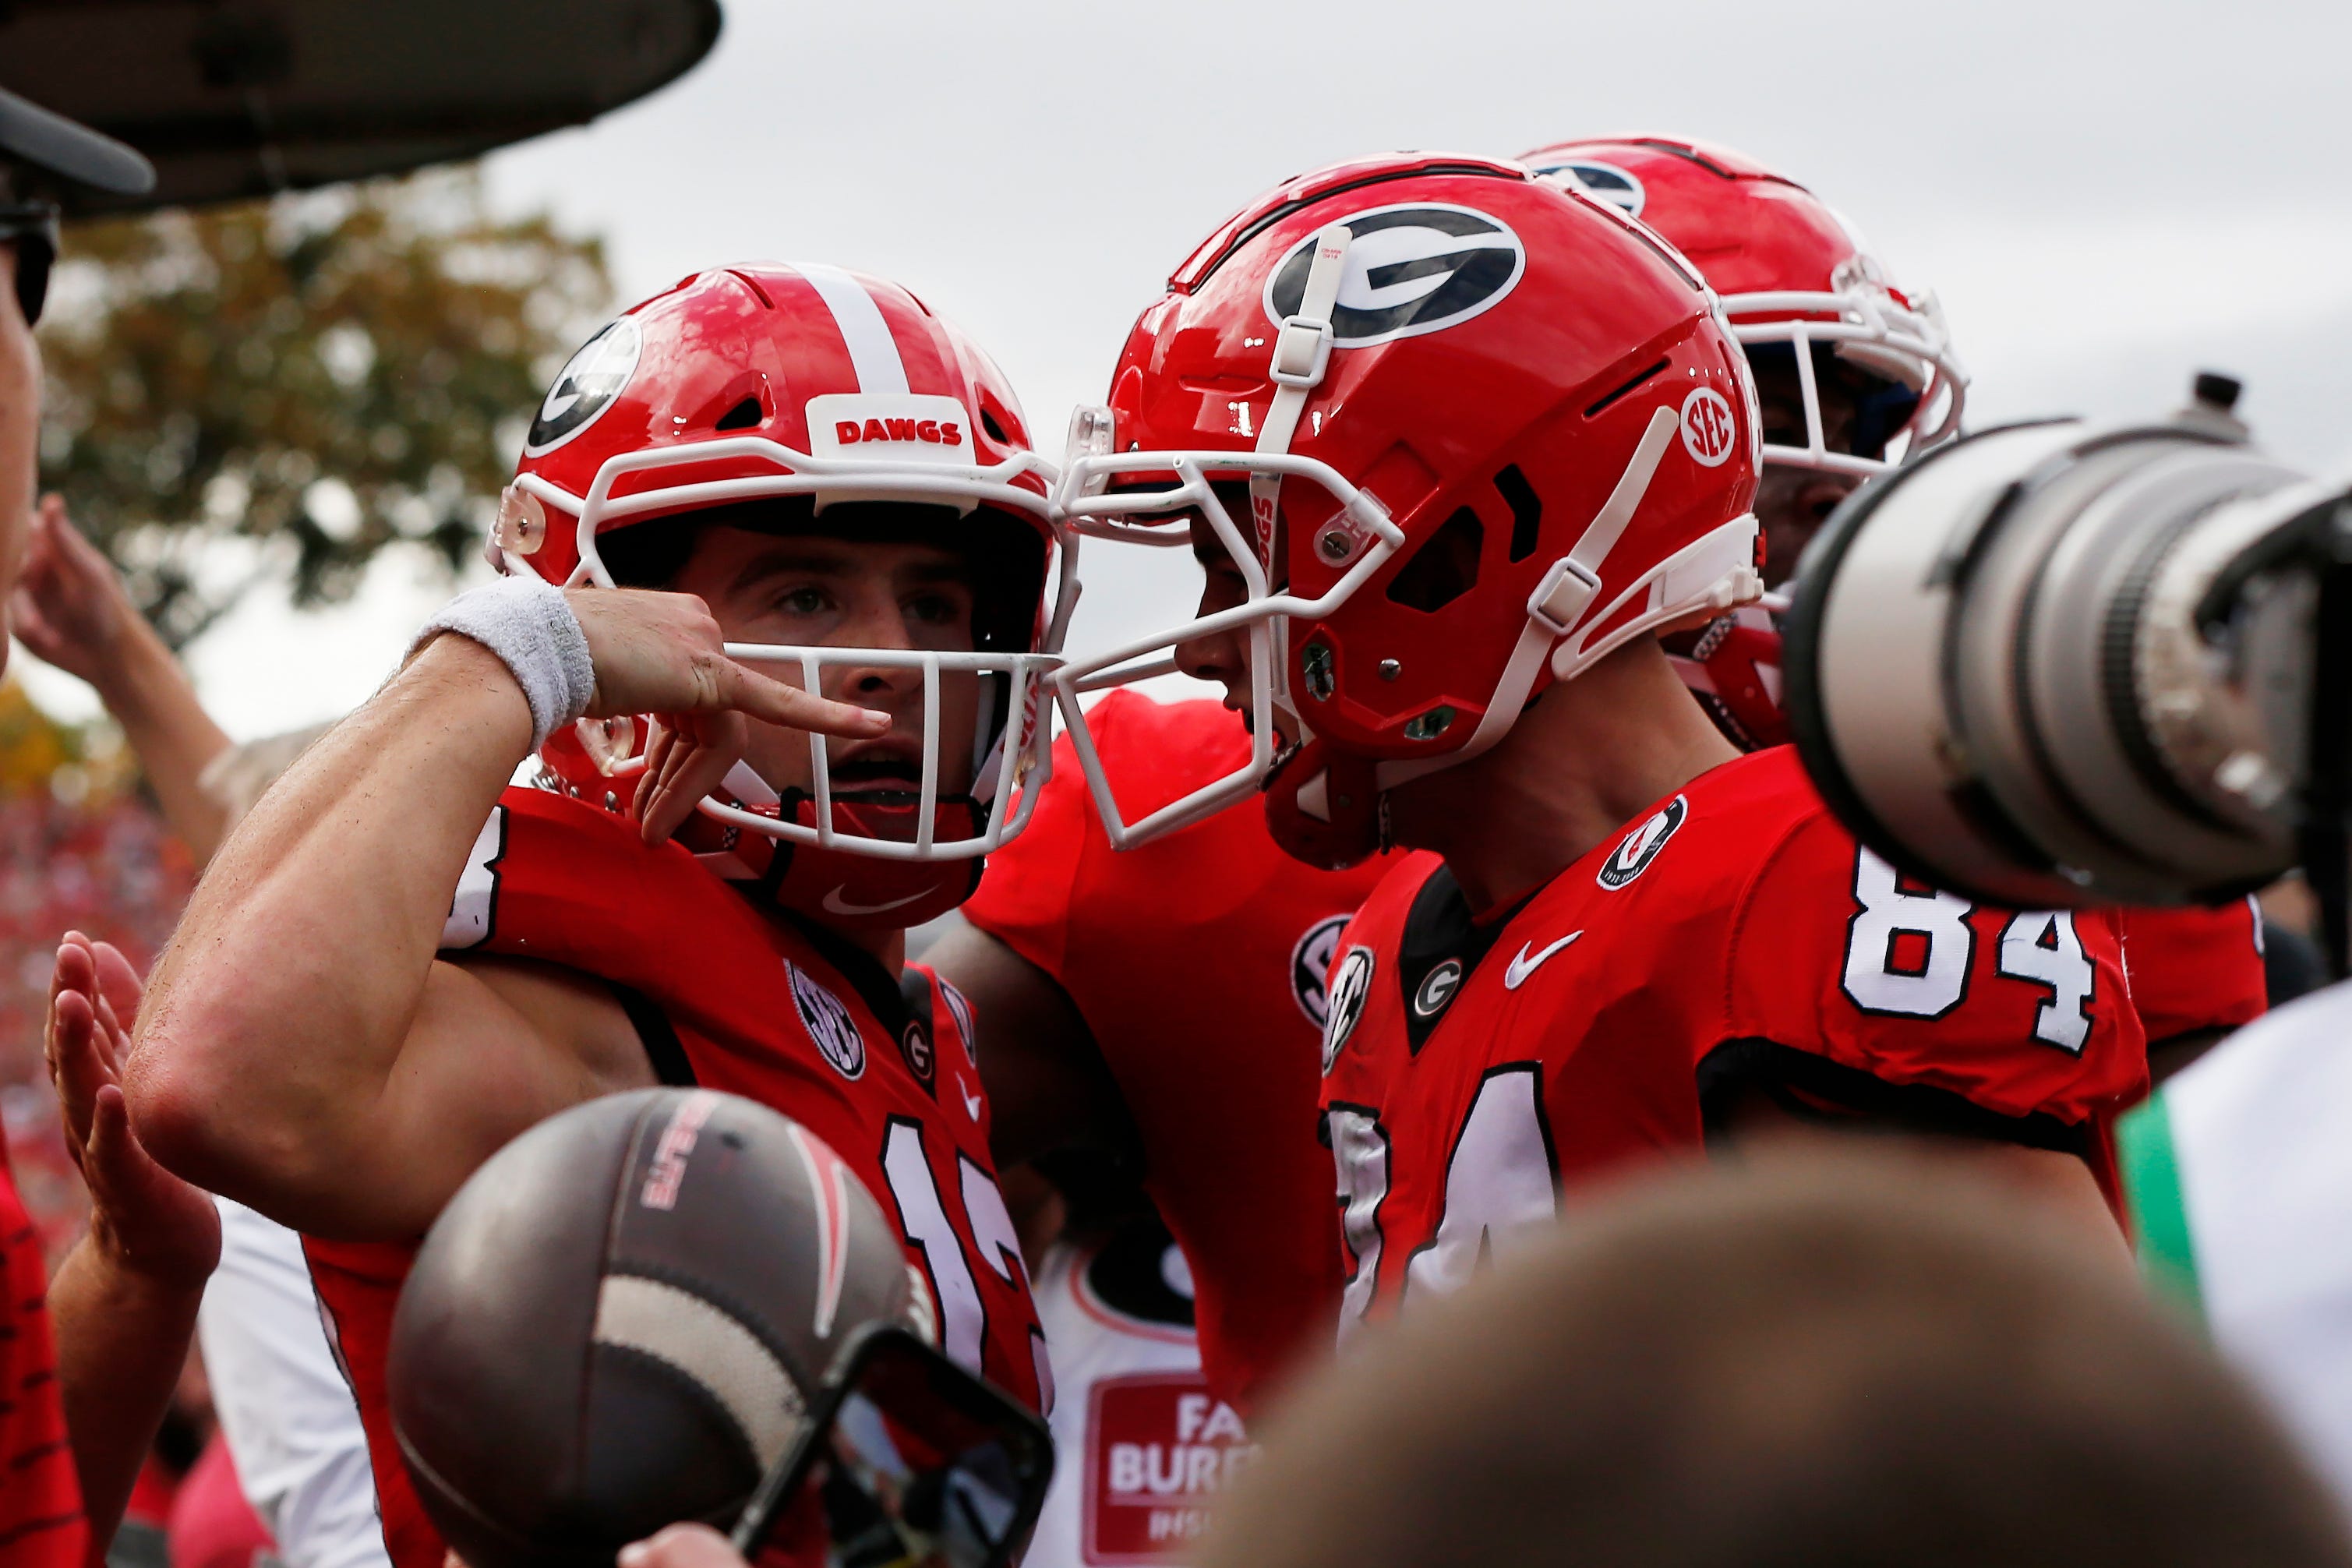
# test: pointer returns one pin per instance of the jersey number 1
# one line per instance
(963, 1316)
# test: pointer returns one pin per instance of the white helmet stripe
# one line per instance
(873, 351)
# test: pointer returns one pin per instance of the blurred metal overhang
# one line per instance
(244, 98)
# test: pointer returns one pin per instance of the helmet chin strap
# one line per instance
(1302, 353)
(1558, 602)
(743, 784)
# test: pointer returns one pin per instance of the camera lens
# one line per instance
(2010, 673)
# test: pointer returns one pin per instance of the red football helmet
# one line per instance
(1491, 430)
(776, 380)
(1789, 271)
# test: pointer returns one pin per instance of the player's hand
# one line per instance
(683, 1546)
(687, 756)
(143, 1219)
(663, 654)
(71, 607)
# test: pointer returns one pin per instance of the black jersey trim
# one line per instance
(1817, 1089)
(672, 1068)
(1440, 929)
(919, 1044)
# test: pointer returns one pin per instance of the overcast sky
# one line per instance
(2106, 195)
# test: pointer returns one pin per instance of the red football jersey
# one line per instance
(1474, 1070)
(1198, 962)
(880, 1068)
(41, 1523)
(2191, 969)
(2195, 968)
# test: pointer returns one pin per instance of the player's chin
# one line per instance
(1238, 700)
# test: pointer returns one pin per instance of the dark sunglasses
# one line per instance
(32, 228)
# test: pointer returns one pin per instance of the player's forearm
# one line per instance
(279, 1012)
(174, 738)
(122, 1340)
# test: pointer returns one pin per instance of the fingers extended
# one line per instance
(121, 1177)
(75, 1065)
(117, 982)
(77, 966)
(747, 692)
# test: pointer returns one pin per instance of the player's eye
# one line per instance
(1221, 586)
(937, 609)
(805, 600)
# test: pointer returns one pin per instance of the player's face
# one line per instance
(1223, 658)
(810, 591)
(1792, 502)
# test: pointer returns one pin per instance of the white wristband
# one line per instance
(528, 623)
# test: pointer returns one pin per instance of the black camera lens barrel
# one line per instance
(2000, 673)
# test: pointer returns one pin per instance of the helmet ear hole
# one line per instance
(1444, 568)
(988, 423)
(1527, 510)
(745, 416)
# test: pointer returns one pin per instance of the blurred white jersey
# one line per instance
(284, 1405)
(2240, 1177)
(1140, 1447)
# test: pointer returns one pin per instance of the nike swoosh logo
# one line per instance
(1515, 974)
(835, 904)
(970, 1100)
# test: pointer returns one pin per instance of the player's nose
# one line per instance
(877, 626)
(1221, 657)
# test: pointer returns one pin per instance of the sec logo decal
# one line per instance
(1352, 986)
(827, 1019)
(1310, 967)
(1709, 432)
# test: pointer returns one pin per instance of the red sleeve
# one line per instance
(2194, 968)
(543, 862)
(41, 1523)
(1835, 954)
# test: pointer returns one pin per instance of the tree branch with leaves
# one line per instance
(279, 391)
